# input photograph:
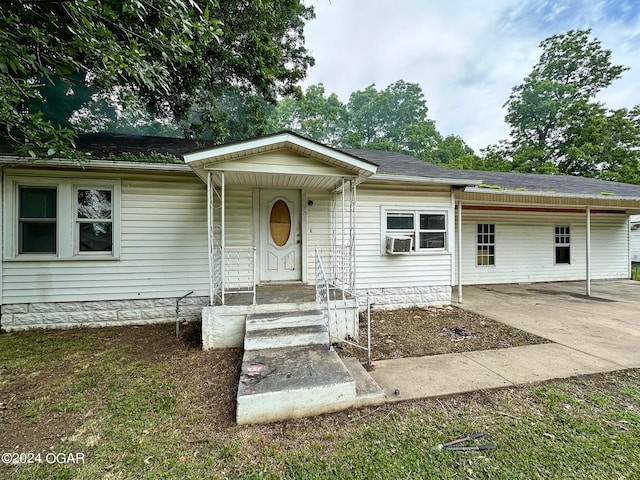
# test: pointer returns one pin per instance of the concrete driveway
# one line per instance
(605, 325)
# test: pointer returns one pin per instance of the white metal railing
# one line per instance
(322, 294)
(338, 264)
(339, 305)
(342, 274)
(239, 272)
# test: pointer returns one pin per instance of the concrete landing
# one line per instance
(284, 383)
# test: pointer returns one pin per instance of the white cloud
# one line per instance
(466, 55)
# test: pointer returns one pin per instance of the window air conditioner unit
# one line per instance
(399, 244)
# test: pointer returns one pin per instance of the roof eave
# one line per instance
(92, 163)
(457, 182)
(505, 191)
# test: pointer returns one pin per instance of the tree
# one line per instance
(556, 124)
(176, 56)
(391, 119)
(314, 115)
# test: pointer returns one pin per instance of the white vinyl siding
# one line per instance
(525, 246)
(163, 243)
(238, 236)
(318, 223)
(375, 269)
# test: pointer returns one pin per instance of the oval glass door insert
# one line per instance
(280, 223)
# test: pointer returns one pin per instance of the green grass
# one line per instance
(138, 417)
(635, 271)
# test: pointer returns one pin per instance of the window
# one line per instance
(37, 220)
(428, 230)
(562, 241)
(57, 218)
(94, 223)
(486, 244)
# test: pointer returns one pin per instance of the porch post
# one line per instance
(459, 256)
(333, 251)
(588, 259)
(352, 236)
(343, 246)
(210, 235)
(222, 253)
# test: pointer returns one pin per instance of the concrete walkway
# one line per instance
(593, 334)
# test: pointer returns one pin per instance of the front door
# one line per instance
(280, 242)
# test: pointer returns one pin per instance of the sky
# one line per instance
(466, 55)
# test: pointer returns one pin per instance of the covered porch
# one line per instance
(281, 215)
(281, 249)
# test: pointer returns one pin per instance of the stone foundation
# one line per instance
(24, 316)
(404, 297)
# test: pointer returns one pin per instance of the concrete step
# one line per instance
(286, 337)
(283, 383)
(368, 392)
(285, 329)
(283, 319)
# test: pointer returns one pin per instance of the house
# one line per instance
(634, 240)
(118, 241)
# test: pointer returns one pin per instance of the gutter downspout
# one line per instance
(588, 259)
(459, 256)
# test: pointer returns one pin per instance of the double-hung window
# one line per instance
(562, 244)
(37, 219)
(486, 244)
(94, 220)
(427, 230)
(61, 218)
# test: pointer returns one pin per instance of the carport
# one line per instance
(605, 325)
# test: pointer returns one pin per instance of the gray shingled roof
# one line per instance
(398, 164)
(392, 163)
(101, 145)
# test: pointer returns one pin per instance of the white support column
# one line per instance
(343, 267)
(459, 252)
(222, 253)
(588, 259)
(333, 250)
(210, 235)
(352, 236)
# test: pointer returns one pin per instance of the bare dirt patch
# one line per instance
(33, 412)
(43, 404)
(418, 332)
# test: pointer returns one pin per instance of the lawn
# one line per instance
(137, 403)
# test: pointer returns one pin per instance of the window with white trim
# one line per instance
(56, 219)
(37, 219)
(486, 244)
(426, 229)
(94, 232)
(562, 244)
